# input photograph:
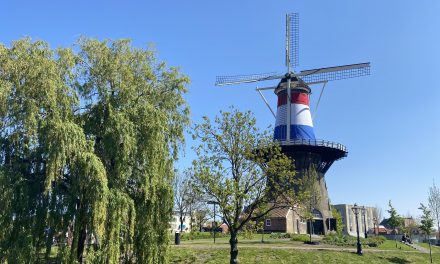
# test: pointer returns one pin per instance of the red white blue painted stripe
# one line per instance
(301, 125)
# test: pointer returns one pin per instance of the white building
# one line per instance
(349, 219)
(175, 222)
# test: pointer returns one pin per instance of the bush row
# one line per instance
(293, 237)
(200, 235)
(300, 237)
(331, 239)
(344, 240)
(243, 235)
(279, 235)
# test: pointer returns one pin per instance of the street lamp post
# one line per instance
(356, 210)
(364, 211)
(215, 224)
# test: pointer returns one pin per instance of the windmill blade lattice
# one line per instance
(292, 31)
(335, 73)
(235, 79)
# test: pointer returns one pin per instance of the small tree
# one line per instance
(260, 226)
(426, 224)
(434, 204)
(339, 223)
(181, 197)
(378, 214)
(395, 221)
(197, 207)
(410, 226)
(201, 215)
(310, 196)
(241, 169)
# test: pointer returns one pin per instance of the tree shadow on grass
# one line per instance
(397, 260)
(392, 259)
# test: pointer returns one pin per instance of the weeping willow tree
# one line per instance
(88, 140)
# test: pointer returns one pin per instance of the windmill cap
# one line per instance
(296, 84)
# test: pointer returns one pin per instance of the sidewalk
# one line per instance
(419, 248)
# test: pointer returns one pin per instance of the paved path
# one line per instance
(269, 246)
(419, 248)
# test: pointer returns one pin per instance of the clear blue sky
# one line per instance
(389, 120)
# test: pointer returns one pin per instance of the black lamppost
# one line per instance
(364, 211)
(356, 210)
(215, 224)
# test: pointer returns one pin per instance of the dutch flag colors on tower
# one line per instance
(301, 120)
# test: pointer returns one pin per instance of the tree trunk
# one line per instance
(181, 224)
(191, 217)
(233, 242)
(438, 231)
(81, 244)
(48, 244)
(430, 251)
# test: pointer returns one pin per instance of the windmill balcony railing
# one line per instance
(311, 142)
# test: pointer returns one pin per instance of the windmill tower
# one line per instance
(293, 119)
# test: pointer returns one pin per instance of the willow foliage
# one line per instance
(88, 139)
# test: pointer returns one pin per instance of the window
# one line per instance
(268, 222)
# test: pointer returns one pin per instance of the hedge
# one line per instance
(344, 240)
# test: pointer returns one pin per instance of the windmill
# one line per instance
(294, 125)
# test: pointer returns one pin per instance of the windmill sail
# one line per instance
(236, 79)
(335, 73)
(292, 40)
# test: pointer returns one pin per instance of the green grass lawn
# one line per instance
(286, 251)
(277, 255)
(224, 242)
(391, 245)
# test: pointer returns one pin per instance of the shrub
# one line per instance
(247, 234)
(374, 241)
(339, 240)
(279, 235)
(300, 237)
(344, 240)
(199, 235)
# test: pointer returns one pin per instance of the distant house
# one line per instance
(218, 226)
(285, 220)
(381, 230)
(224, 227)
(408, 223)
(289, 220)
